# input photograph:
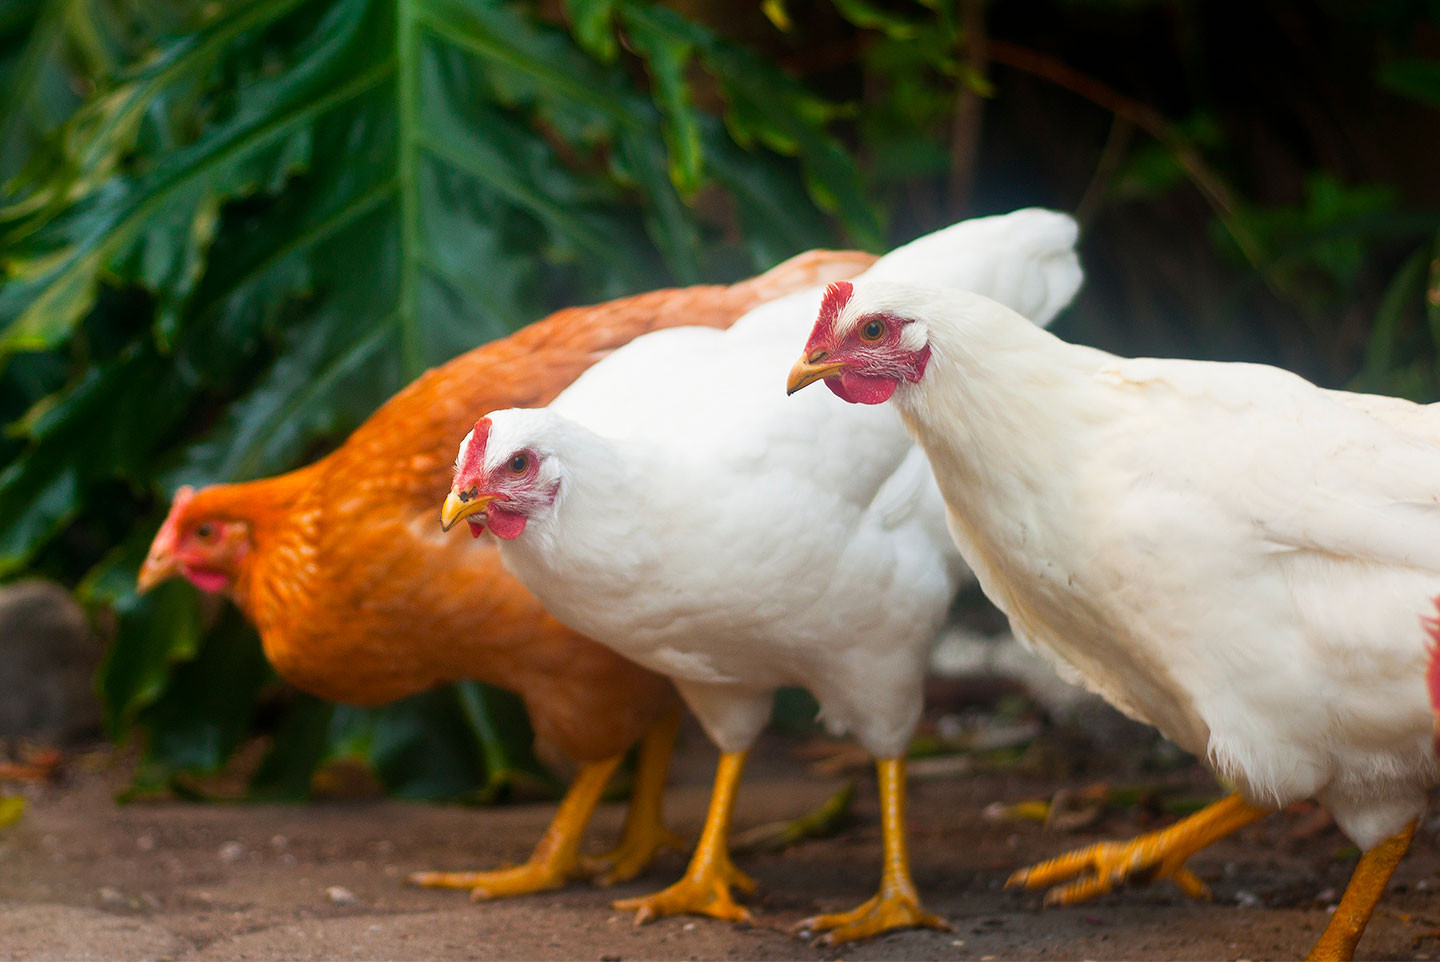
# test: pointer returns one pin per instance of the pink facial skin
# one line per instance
(874, 365)
(206, 579)
(205, 551)
(510, 486)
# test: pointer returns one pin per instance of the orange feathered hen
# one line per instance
(368, 613)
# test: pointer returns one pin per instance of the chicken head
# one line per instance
(207, 551)
(498, 488)
(862, 356)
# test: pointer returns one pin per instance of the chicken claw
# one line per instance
(637, 849)
(1160, 854)
(705, 887)
(556, 859)
(896, 905)
(881, 913)
(697, 893)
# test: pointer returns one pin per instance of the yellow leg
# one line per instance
(705, 887)
(1367, 884)
(1153, 855)
(644, 833)
(896, 905)
(555, 860)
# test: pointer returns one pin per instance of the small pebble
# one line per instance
(145, 843)
(1246, 900)
(113, 898)
(340, 895)
(232, 852)
(957, 942)
(278, 842)
(688, 927)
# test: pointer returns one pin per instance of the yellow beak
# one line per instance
(810, 369)
(154, 571)
(457, 509)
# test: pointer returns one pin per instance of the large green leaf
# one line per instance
(229, 246)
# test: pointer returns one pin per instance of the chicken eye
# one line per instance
(519, 464)
(205, 531)
(872, 331)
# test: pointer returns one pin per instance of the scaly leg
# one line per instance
(644, 833)
(1153, 855)
(555, 860)
(705, 887)
(1367, 884)
(896, 905)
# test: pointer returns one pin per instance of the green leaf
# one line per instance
(1382, 352)
(590, 23)
(206, 707)
(1416, 79)
(154, 633)
(668, 58)
(462, 741)
(246, 225)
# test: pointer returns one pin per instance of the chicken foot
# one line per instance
(1160, 854)
(705, 887)
(556, 859)
(897, 904)
(1367, 884)
(644, 833)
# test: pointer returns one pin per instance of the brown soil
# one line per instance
(84, 877)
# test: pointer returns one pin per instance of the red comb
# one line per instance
(167, 539)
(837, 295)
(472, 461)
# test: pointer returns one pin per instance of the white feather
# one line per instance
(737, 540)
(1223, 550)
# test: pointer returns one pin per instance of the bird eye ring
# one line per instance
(205, 531)
(519, 464)
(872, 331)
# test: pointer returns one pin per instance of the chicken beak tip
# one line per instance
(457, 509)
(806, 372)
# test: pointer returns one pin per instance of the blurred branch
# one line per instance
(1116, 143)
(969, 107)
(1211, 186)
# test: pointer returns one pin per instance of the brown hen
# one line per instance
(370, 612)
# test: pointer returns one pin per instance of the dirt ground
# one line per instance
(82, 877)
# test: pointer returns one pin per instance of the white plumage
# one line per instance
(711, 529)
(1225, 551)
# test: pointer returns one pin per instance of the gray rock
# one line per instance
(50, 654)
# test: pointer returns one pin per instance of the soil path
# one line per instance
(83, 877)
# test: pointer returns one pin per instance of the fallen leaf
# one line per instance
(11, 806)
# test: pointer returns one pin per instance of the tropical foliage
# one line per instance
(228, 231)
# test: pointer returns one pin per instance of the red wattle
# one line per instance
(506, 524)
(207, 580)
(862, 388)
(477, 528)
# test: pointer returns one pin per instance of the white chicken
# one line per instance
(1225, 551)
(673, 505)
